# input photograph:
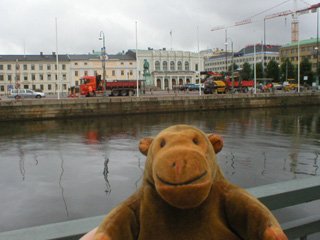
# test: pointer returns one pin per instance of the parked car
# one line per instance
(195, 87)
(277, 86)
(186, 86)
(26, 93)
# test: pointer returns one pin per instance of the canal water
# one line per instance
(54, 171)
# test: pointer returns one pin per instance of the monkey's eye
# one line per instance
(195, 141)
(162, 143)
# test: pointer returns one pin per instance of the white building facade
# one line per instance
(249, 54)
(170, 68)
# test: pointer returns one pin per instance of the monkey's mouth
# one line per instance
(183, 183)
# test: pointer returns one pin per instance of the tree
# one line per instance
(273, 70)
(246, 71)
(306, 70)
(259, 71)
(287, 70)
(235, 67)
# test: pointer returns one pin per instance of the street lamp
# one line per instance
(103, 60)
(231, 62)
(317, 69)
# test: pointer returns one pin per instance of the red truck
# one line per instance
(92, 85)
(238, 84)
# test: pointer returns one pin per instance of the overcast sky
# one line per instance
(30, 25)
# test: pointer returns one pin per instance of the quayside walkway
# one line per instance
(274, 196)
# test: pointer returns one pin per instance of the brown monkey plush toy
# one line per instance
(184, 195)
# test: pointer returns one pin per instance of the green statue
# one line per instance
(146, 67)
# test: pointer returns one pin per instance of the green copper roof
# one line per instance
(302, 42)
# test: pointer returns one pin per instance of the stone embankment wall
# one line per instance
(90, 107)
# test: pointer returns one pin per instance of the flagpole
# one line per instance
(57, 59)
(137, 63)
(171, 38)
(199, 61)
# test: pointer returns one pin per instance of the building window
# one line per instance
(25, 77)
(130, 63)
(85, 63)
(165, 66)
(9, 77)
(76, 64)
(49, 87)
(179, 66)
(25, 67)
(33, 67)
(1, 77)
(121, 63)
(113, 72)
(76, 73)
(26, 86)
(186, 66)
(49, 76)
(131, 73)
(122, 72)
(64, 77)
(9, 67)
(157, 66)
(172, 67)
(33, 77)
(48, 67)
(2, 88)
(63, 67)
(40, 67)
(41, 87)
(41, 77)
(86, 73)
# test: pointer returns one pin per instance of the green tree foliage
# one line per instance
(235, 67)
(287, 70)
(306, 70)
(259, 71)
(273, 70)
(246, 71)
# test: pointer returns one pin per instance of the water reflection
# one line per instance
(105, 174)
(60, 184)
(141, 175)
(88, 156)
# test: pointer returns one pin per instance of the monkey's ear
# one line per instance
(145, 144)
(216, 141)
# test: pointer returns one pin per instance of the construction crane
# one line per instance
(294, 23)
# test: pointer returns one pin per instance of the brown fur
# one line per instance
(184, 195)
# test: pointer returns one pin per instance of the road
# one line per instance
(161, 93)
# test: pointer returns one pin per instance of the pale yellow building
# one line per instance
(40, 71)
(308, 49)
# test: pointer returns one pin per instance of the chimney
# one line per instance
(41, 53)
(53, 53)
